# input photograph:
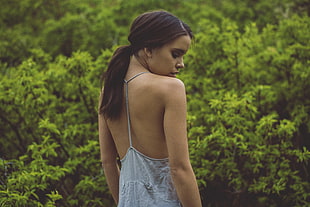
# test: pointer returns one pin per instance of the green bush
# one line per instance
(51, 121)
(247, 78)
(249, 113)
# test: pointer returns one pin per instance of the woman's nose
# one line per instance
(180, 64)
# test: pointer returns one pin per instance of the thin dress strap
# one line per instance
(127, 105)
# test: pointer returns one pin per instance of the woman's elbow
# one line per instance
(108, 161)
(179, 169)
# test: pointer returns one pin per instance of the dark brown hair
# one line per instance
(149, 30)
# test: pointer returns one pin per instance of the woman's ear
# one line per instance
(147, 52)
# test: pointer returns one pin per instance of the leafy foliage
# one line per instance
(247, 107)
(247, 78)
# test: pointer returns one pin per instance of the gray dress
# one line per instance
(144, 181)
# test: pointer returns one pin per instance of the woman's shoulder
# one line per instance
(165, 84)
(166, 88)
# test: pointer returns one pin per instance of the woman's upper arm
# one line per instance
(175, 124)
(108, 150)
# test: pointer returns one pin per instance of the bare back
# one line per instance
(146, 108)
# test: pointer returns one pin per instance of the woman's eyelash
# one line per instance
(175, 55)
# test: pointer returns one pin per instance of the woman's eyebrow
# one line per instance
(180, 50)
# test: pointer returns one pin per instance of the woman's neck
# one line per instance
(136, 65)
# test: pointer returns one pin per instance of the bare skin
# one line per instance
(158, 120)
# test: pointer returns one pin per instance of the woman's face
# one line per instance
(168, 59)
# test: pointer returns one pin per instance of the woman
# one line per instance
(142, 117)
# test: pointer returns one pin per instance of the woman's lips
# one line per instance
(173, 74)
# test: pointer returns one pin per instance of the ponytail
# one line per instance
(112, 97)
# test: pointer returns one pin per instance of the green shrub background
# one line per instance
(248, 88)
